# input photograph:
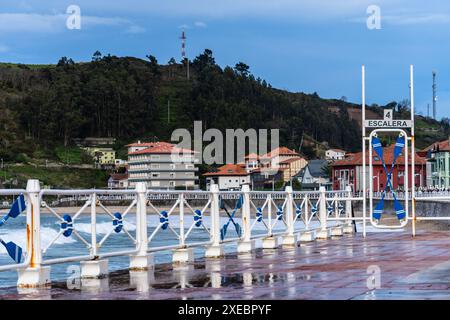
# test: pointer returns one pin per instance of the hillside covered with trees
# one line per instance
(45, 107)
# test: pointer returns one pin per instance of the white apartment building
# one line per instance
(154, 164)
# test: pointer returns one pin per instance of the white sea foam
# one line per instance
(19, 237)
(102, 227)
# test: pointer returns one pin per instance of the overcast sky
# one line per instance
(299, 45)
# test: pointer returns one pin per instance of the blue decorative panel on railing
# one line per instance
(118, 222)
(198, 218)
(164, 219)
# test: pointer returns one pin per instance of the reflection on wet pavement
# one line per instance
(416, 268)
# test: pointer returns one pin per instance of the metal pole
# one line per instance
(94, 224)
(323, 209)
(289, 211)
(246, 212)
(35, 275)
(363, 104)
(269, 214)
(348, 206)
(215, 215)
(413, 151)
(34, 223)
(306, 212)
(141, 218)
(181, 199)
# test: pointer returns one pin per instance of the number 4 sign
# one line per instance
(388, 114)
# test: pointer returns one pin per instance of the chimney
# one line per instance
(139, 141)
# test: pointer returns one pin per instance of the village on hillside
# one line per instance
(151, 162)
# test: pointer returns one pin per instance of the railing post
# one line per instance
(94, 268)
(94, 248)
(289, 240)
(141, 261)
(246, 244)
(182, 236)
(306, 213)
(269, 242)
(348, 228)
(35, 275)
(307, 235)
(214, 250)
(183, 254)
(324, 233)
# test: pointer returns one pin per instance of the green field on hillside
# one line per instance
(53, 177)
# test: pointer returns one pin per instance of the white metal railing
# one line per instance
(17, 257)
(215, 217)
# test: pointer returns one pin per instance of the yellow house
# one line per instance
(103, 156)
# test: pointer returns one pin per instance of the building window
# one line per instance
(154, 157)
(172, 183)
(155, 175)
(154, 166)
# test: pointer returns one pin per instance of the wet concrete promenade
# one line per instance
(411, 268)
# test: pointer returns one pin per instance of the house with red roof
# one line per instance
(280, 164)
(349, 171)
(162, 165)
(284, 160)
(118, 181)
(228, 177)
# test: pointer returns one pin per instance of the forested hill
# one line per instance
(42, 107)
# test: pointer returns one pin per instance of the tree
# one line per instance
(97, 56)
(153, 64)
(172, 63)
(296, 185)
(242, 69)
(204, 60)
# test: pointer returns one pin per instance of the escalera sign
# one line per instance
(387, 123)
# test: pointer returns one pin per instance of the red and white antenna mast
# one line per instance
(183, 52)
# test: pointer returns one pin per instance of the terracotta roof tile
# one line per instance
(280, 151)
(159, 148)
(228, 170)
(443, 146)
(119, 176)
(291, 160)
